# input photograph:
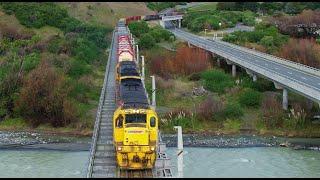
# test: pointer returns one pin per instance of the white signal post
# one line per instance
(142, 66)
(153, 92)
(180, 151)
(137, 47)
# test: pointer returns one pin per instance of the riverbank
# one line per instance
(46, 129)
(38, 141)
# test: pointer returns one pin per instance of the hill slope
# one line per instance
(105, 13)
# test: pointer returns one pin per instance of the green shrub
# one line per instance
(85, 50)
(78, 68)
(233, 125)
(36, 14)
(260, 85)
(55, 45)
(146, 41)
(31, 61)
(195, 77)
(138, 28)
(233, 110)
(217, 80)
(264, 34)
(250, 98)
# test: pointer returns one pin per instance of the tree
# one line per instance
(146, 41)
(137, 28)
(43, 98)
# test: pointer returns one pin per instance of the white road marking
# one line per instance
(289, 72)
(303, 78)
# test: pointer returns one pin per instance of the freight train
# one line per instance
(135, 123)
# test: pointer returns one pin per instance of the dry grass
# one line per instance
(11, 22)
(105, 13)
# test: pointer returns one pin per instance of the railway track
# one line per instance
(146, 173)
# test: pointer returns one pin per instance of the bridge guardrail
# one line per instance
(98, 116)
(292, 64)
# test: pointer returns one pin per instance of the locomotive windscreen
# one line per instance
(136, 118)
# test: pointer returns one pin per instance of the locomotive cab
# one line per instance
(135, 136)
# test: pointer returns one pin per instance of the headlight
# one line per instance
(119, 148)
(152, 148)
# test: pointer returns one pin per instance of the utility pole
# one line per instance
(153, 92)
(137, 53)
(142, 66)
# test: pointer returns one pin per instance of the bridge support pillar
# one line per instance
(218, 62)
(142, 66)
(254, 78)
(189, 45)
(179, 23)
(285, 99)
(284, 95)
(153, 92)
(309, 104)
(234, 70)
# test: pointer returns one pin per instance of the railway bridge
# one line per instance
(102, 161)
(285, 74)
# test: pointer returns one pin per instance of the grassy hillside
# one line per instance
(105, 13)
(51, 68)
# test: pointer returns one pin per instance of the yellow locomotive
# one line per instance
(135, 123)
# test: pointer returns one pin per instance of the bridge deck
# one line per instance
(103, 155)
(302, 79)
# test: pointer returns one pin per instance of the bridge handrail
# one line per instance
(98, 116)
(280, 60)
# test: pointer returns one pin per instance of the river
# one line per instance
(25, 154)
(198, 162)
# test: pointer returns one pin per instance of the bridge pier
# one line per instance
(189, 45)
(309, 104)
(284, 95)
(285, 99)
(234, 70)
(179, 23)
(254, 78)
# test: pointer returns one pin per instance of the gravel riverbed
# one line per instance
(29, 140)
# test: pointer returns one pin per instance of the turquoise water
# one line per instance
(43, 163)
(198, 162)
(249, 162)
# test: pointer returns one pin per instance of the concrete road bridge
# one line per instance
(285, 74)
